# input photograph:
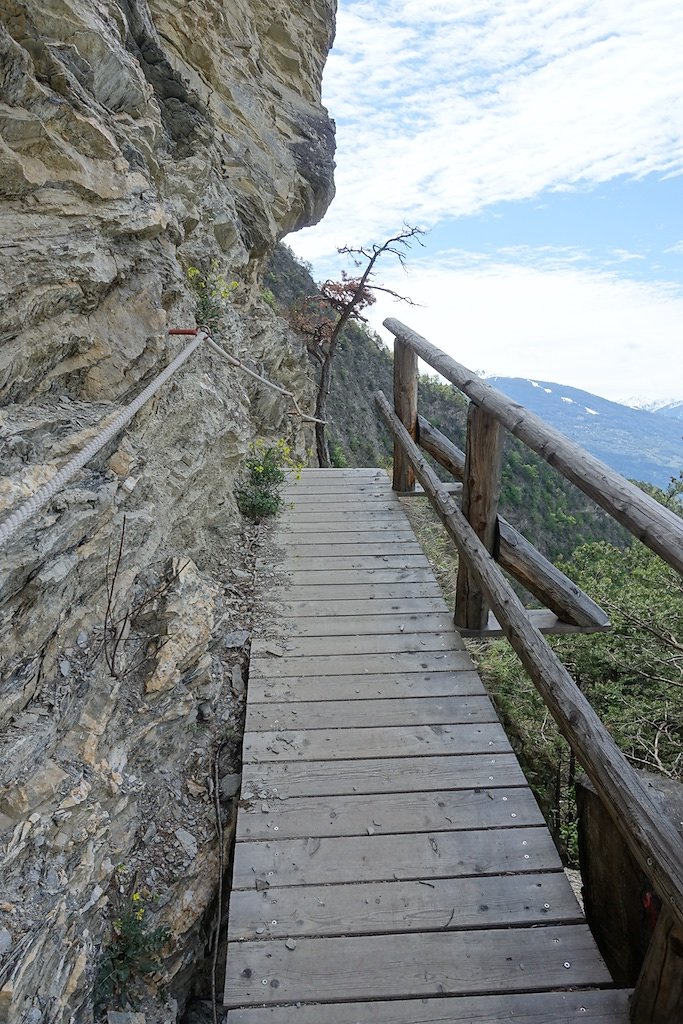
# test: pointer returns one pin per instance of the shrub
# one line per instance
(266, 465)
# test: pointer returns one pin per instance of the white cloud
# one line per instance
(606, 334)
(446, 106)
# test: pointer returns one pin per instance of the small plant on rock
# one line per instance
(213, 292)
(260, 496)
(133, 953)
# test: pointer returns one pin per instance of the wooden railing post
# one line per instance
(405, 407)
(658, 996)
(481, 491)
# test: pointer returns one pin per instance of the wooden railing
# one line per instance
(485, 543)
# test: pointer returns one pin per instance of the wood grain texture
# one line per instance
(360, 625)
(422, 963)
(399, 642)
(426, 855)
(440, 811)
(329, 744)
(404, 711)
(367, 687)
(367, 606)
(446, 904)
(481, 492)
(359, 664)
(405, 406)
(381, 775)
(586, 1007)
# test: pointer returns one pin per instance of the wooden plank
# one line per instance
(405, 407)
(413, 684)
(339, 539)
(401, 642)
(357, 714)
(593, 1007)
(287, 532)
(445, 904)
(375, 549)
(380, 775)
(316, 861)
(339, 522)
(361, 591)
(543, 619)
(442, 811)
(422, 963)
(656, 526)
(355, 664)
(328, 744)
(362, 625)
(481, 492)
(375, 499)
(376, 606)
(419, 491)
(652, 839)
(334, 577)
(302, 562)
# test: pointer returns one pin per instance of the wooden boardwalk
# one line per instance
(391, 864)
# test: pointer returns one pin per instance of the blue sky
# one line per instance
(540, 142)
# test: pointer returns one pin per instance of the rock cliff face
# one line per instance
(138, 138)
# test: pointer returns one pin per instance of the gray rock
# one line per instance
(187, 841)
(205, 711)
(82, 640)
(5, 941)
(121, 1017)
(237, 679)
(65, 668)
(229, 786)
(237, 638)
(240, 574)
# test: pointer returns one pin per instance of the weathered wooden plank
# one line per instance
(357, 664)
(411, 684)
(357, 714)
(328, 744)
(341, 523)
(405, 406)
(381, 775)
(299, 501)
(656, 526)
(400, 642)
(361, 591)
(595, 1006)
(425, 855)
(373, 606)
(651, 838)
(337, 577)
(358, 536)
(370, 550)
(401, 561)
(481, 491)
(422, 963)
(441, 811)
(515, 554)
(361, 625)
(445, 904)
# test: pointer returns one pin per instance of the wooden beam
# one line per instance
(481, 491)
(405, 406)
(658, 996)
(441, 448)
(516, 555)
(544, 620)
(657, 527)
(653, 841)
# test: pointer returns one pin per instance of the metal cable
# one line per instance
(48, 490)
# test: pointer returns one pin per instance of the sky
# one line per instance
(540, 145)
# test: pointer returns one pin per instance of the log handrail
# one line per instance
(657, 527)
(652, 839)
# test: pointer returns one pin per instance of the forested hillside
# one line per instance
(537, 500)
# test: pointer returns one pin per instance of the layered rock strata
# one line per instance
(138, 139)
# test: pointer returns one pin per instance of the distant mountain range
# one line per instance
(641, 444)
(673, 409)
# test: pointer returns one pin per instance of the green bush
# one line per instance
(133, 953)
(266, 465)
